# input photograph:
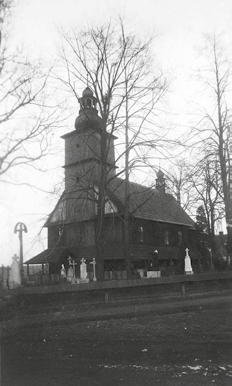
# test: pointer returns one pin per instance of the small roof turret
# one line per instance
(87, 92)
(88, 115)
(160, 181)
(160, 174)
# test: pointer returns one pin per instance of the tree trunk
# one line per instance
(127, 196)
(99, 235)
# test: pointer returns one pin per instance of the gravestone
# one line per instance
(15, 276)
(70, 274)
(153, 274)
(141, 272)
(83, 269)
(71, 277)
(187, 263)
(63, 271)
(83, 273)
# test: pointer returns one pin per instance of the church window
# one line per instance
(77, 179)
(88, 104)
(166, 237)
(156, 237)
(69, 151)
(140, 234)
(110, 207)
(60, 230)
(180, 237)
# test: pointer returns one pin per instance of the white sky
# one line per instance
(180, 25)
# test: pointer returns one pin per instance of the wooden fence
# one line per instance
(42, 279)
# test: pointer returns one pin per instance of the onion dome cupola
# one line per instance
(88, 115)
(160, 181)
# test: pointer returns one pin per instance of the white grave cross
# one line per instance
(187, 263)
(94, 269)
(73, 265)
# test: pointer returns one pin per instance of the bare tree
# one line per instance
(178, 179)
(206, 182)
(27, 113)
(118, 68)
(213, 126)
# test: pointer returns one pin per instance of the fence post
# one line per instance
(106, 297)
(8, 277)
(183, 289)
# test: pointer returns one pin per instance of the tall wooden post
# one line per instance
(127, 190)
(229, 201)
(20, 228)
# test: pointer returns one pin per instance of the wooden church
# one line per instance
(159, 229)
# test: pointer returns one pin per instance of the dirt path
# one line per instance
(178, 346)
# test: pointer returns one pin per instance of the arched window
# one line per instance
(88, 103)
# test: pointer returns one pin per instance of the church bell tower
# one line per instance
(83, 149)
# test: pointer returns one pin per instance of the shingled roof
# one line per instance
(148, 203)
(51, 255)
(144, 202)
(59, 254)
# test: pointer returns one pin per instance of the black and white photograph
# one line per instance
(115, 193)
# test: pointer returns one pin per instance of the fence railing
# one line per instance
(41, 279)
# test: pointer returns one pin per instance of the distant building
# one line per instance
(159, 229)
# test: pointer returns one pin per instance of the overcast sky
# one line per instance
(179, 25)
